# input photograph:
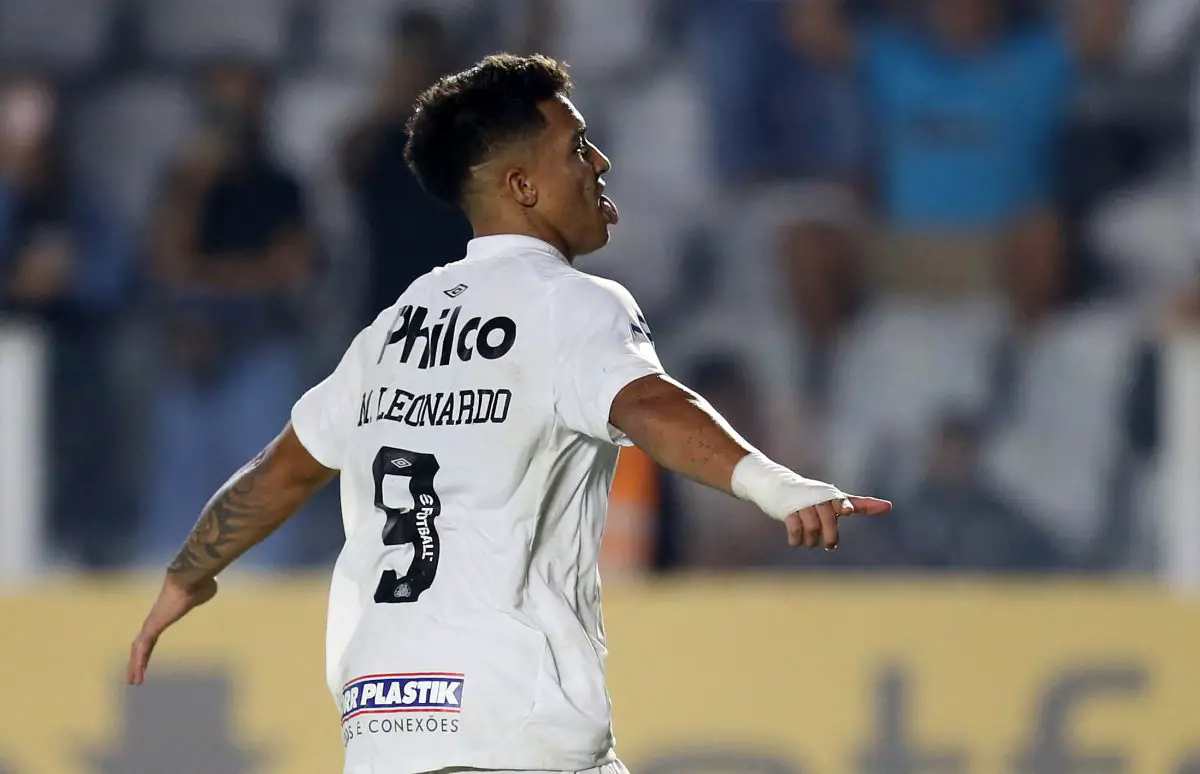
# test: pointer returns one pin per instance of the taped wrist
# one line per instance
(776, 490)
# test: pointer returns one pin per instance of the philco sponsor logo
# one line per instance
(448, 338)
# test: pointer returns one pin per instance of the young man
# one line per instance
(475, 425)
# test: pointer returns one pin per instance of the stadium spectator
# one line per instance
(822, 273)
(828, 310)
(65, 263)
(1039, 287)
(408, 232)
(968, 103)
(1058, 378)
(775, 111)
(231, 255)
(958, 520)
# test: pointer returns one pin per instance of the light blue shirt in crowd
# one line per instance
(965, 142)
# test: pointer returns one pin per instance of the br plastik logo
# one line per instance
(395, 693)
(414, 703)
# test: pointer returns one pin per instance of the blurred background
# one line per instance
(940, 251)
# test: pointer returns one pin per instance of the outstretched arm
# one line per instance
(254, 503)
(682, 432)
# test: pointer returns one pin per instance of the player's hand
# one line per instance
(173, 603)
(812, 526)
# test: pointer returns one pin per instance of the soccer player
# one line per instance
(476, 425)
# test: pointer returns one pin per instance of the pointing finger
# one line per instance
(870, 506)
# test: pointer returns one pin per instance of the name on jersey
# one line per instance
(448, 340)
(414, 692)
(438, 409)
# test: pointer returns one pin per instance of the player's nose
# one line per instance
(602, 162)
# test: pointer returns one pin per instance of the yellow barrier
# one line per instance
(785, 677)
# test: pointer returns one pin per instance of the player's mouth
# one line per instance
(607, 208)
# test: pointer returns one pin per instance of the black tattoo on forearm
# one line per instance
(238, 516)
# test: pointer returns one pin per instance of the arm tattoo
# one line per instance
(239, 515)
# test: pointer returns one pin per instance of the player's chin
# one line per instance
(596, 238)
(602, 236)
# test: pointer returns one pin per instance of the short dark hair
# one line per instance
(464, 118)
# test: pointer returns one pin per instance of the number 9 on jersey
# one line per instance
(404, 526)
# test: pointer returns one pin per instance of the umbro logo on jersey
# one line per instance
(402, 463)
(456, 291)
(446, 340)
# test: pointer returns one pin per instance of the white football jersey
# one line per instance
(470, 426)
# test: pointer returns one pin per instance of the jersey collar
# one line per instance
(491, 246)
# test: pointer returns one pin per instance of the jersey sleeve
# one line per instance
(324, 414)
(602, 343)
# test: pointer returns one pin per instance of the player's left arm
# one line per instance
(253, 503)
(258, 498)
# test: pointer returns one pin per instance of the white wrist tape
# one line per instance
(777, 490)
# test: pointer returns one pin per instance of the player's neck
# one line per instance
(486, 227)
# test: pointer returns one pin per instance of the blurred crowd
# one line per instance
(927, 249)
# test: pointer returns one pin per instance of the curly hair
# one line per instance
(461, 120)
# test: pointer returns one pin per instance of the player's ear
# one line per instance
(520, 187)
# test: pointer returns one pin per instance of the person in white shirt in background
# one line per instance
(476, 426)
